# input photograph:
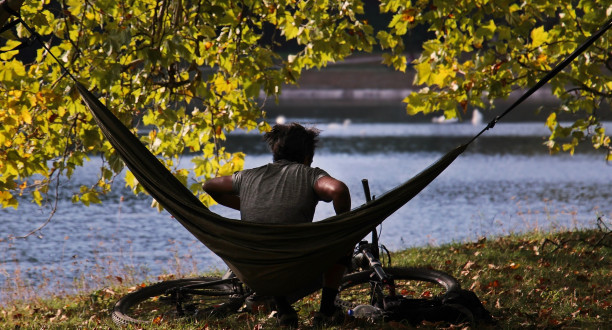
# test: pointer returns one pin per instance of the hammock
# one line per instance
(272, 259)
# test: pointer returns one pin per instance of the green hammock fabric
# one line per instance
(271, 259)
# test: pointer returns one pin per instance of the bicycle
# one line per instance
(385, 288)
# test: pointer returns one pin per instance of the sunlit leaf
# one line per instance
(538, 36)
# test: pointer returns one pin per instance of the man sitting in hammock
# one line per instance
(287, 191)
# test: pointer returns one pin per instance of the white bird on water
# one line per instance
(476, 117)
(442, 120)
(281, 120)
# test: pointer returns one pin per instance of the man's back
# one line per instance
(287, 191)
(280, 192)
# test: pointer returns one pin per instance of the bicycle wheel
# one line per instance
(177, 299)
(356, 288)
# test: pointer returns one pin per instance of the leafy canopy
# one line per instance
(483, 50)
(148, 60)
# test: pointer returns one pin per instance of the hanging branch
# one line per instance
(56, 188)
(51, 214)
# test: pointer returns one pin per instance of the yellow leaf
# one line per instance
(440, 77)
(5, 195)
(514, 7)
(551, 121)
(538, 36)
(10, 44)
(222, 85)
(18, 68)
(423, 72)
(6, 74)
(6, 199)
(130, 180)
(26, 117)
(37, 197)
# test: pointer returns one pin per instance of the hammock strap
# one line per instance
(10, 10)
(10, 25)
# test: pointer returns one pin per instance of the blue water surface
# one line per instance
(505, 182)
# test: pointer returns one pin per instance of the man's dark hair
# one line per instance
(292, 142)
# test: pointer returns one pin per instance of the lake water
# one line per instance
(505, 182)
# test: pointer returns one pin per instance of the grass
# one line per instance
(535, 280)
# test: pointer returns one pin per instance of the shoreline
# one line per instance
(510, 274)
(388, 95)
(364, 82)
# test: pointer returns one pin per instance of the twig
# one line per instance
(57, 185)
(44, 224)
(606, 232)
(546, 241)
(604, 228)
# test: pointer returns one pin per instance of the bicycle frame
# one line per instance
(196, 287)
(371, 252)
(178, 295)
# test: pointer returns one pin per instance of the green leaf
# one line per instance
(486, 31)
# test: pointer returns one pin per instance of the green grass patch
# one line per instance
(536, 280)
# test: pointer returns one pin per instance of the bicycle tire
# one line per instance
(349, 299)
(147, 305)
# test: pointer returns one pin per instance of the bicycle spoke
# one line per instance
(360, 289)
(172, 300)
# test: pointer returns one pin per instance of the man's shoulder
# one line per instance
(317, 172)
(306, 168)
(252, 170)
(285, 166)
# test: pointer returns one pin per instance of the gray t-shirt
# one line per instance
(280, 192)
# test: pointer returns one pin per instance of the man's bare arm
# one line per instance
(331, 190)
(220, 189)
